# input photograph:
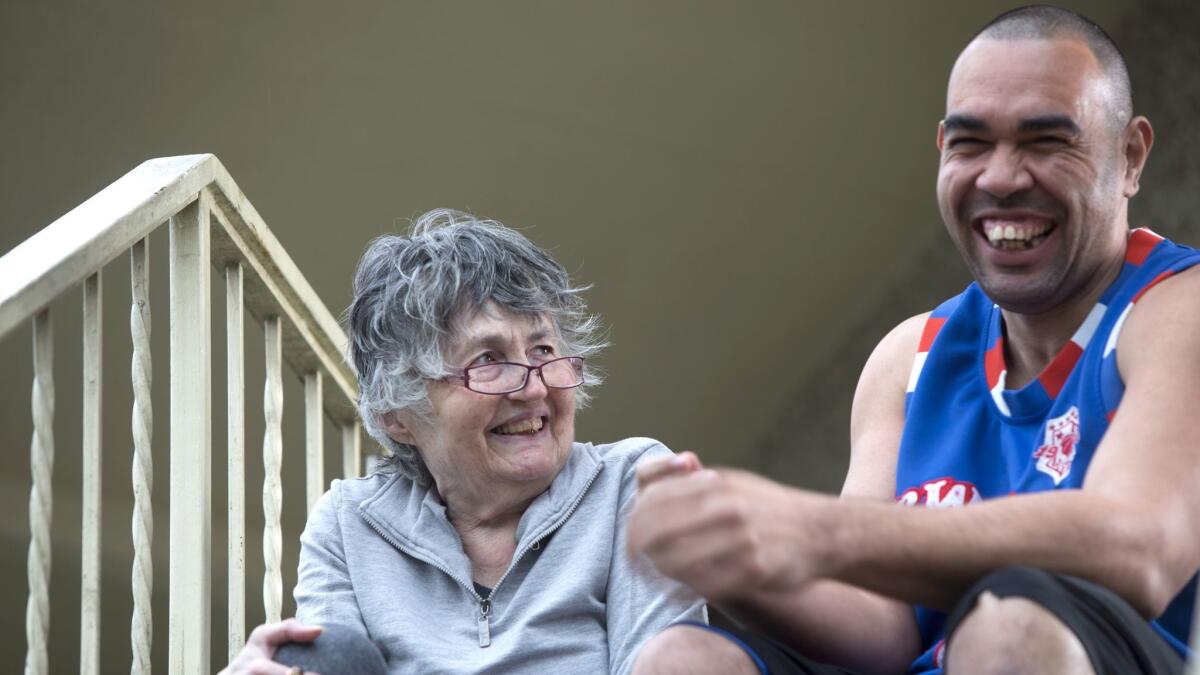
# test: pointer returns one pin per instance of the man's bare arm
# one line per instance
(833, 621)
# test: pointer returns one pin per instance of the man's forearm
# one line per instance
(931, 556)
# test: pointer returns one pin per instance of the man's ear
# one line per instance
(396, 428)
(941, 136)
(1139, 138)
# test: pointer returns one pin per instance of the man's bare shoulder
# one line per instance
(1163, 323)
(1180, 288)
(895, 352)
(877, 417)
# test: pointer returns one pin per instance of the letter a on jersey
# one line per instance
(1057, 453)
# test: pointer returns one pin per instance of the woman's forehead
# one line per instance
(492, 325)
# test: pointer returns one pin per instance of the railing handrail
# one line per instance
(94, 233)
(105, 226)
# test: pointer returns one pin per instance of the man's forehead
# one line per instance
(1060, 70)
(1025, 77)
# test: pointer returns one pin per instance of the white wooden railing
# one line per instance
(210, 225)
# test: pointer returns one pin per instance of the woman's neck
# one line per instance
(487, 526)
(489, 543)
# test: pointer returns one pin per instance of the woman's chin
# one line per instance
(536, 457)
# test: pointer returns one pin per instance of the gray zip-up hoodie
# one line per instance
(379, 554)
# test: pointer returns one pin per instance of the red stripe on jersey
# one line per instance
(932, 327)
(1111, 414)
(993, 363)
(1141, 242)
(1152, 284)
(1055, 375)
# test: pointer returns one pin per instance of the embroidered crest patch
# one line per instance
(1057, 453)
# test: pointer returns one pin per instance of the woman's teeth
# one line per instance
(1015, 236)
(529, 426)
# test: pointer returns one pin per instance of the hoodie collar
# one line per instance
(415, 516)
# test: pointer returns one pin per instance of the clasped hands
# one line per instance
(726, 533)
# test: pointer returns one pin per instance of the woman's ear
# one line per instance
(396, 428)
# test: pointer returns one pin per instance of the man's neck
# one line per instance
(1031, 341)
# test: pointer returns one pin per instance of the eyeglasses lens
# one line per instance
(563, 373)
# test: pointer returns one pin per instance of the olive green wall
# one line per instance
(749, 187)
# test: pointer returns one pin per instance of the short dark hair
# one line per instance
(1047, 22)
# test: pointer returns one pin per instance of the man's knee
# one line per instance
(1014, 635)
(690, 649)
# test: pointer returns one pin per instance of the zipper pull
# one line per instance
(485, 631)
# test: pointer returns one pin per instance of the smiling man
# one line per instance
(1054, 400)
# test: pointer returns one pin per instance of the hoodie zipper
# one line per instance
(536, 544)
(485, 604)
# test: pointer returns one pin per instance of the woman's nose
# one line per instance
(534, 387)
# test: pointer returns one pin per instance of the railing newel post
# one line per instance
(189, 619)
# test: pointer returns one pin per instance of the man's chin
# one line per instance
(1020, 298)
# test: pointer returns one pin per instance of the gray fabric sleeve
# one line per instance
(641, 602)
(324, 594)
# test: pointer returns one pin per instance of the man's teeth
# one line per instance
(1010, 236)
(529, 426)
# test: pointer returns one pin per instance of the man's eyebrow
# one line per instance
(1049, 123)
(959, 122)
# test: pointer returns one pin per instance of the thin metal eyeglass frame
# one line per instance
(466, 376)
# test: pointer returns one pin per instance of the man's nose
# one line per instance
(1004, 173)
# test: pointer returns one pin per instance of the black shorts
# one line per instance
(1117, 639)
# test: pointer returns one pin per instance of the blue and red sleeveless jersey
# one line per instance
(968, 438)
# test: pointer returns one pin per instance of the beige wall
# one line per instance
(749, 186)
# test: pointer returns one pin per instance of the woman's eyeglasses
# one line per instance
(505, 377)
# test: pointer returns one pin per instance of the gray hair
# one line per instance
(411, 292)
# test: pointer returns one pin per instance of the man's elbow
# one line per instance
(1152, 590)
(1157, 568)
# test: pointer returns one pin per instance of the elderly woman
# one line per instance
(489, 541)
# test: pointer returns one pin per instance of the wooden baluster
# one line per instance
(41, 452)
(314, 437)
(141, 631)
(236, 464)
(89, 583)
(272, 463)
(351, 450)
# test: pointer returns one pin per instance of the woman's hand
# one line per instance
(255, 657)
(653, 470)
